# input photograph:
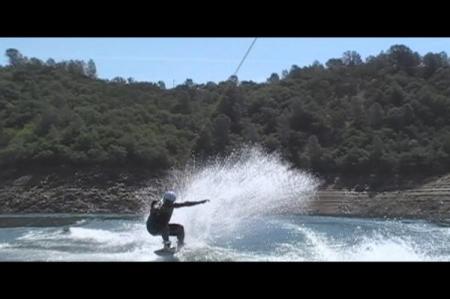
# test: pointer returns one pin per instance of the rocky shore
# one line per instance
(128, 194)
(430, 200)
(84, 192)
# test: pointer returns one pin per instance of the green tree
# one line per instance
(91, 70)
(376, 115)
(51, 62)
(189, 83)
(314, 151)
(274, 78)
(234, 80)
(204, 143)
(396, 95)
(161, 85)
(15, 57)
(357, 112)
(221, 132)
(395, 118)
(351, 58)
(446, 143)
(182, 106)
(433, 61)
(403, 57)
(377, 149)
(119, 80)
(334, 63)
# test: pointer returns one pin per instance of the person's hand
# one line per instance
(206, 200)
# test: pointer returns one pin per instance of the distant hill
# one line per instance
(385, 116)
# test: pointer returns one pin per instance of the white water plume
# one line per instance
(247, 183)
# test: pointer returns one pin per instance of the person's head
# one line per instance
(169, 197)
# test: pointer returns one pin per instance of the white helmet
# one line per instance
(170, 196)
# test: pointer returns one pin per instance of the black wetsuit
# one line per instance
(158, 220)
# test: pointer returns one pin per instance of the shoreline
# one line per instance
(430, 201)
(125, 194)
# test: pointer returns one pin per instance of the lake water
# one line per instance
(266, 238)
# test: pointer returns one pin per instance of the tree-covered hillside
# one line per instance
(386, 115)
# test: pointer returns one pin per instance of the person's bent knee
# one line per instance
(153, 232)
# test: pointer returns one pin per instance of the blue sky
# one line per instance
(205, 59)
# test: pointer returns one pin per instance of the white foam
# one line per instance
(4, 245)
(101, 235)
(37, 235)
(374, 248)
(248, 183)
(394, 249)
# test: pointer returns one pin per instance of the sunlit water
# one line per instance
(281, 238)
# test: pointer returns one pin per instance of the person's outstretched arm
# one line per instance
(189, 203)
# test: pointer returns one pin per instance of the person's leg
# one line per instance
(178, 231)
(165, 236)
(163, 232)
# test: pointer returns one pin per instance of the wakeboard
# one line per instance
(166, 251)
